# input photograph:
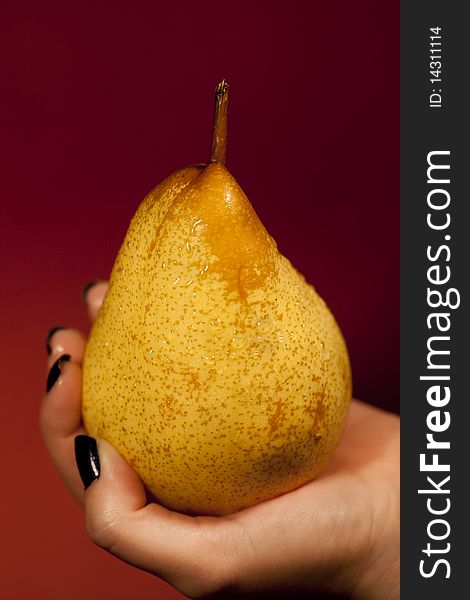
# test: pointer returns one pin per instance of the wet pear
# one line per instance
(213, 367)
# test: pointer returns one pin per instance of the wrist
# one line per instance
(378, 575)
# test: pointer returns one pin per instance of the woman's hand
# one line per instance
(337, 535)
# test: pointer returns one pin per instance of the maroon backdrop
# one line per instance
(101, 100)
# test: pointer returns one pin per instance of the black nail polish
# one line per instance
(49, 335)
(54, 373)
(88, 461)
(87, 287)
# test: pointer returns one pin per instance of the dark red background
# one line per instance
(100, 101)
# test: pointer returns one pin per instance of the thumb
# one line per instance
(118, 490)
(183, 550)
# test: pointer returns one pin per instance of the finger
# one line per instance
(61, 340)
(60, 419)
(93, 295)
(183, 550)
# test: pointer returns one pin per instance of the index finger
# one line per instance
(93, 295)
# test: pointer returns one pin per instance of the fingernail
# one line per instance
(49, 335)
(88, 461)
(55, 371)
(87, 287)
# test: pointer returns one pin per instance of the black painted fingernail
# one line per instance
(88, 461)
(49, 335)
(56, 368)
(87, 287)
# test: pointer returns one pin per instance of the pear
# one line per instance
(213, 367)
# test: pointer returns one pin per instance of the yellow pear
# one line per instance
(213, 367)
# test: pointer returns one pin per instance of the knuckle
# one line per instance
(203, 585)
(213, 573)
(103, 529)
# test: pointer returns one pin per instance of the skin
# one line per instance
(337, 536)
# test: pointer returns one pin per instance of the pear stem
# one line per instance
(219, 136)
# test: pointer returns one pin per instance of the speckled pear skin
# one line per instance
(213, 367)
